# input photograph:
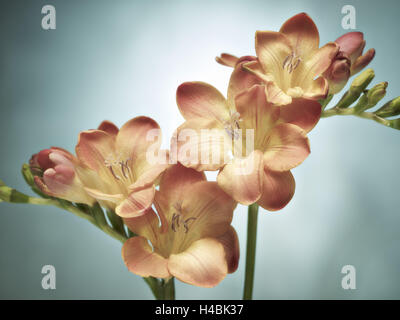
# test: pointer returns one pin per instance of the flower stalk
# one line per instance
(250, 251)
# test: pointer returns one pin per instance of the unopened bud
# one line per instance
(359, 84)
(389, 109)
(377, 93)
(395, 124)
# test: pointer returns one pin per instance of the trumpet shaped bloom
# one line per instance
(55, 175)
(191, 237)
(114, 167)
(262, 173)
(290, 62)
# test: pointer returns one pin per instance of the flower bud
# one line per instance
(376, 94)
(359, 84)
(338, 73)
(395, 124)
(352, 44)
(389, 109)
(54, 174)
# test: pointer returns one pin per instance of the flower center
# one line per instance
(177, 221)
(291, 62)
(119, 168)
(231, 125)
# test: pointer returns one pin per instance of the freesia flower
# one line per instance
(191, 237)
(278, 146)
(55, 175)
(290, 62)
(348, 61)
(113, 165)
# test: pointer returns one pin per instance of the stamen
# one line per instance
(115, 165)
(291, 62)
(186, 222)
(113, 173)
(175, 222)
(231, 125)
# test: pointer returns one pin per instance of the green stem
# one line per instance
(94, 215)
(250, 251)
(350, 111)
(168, 288)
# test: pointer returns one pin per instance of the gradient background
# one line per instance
(119, 59)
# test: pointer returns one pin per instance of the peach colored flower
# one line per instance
(55, 175)
(113, 165)
(278, 146)
(194, 241)
(290, 62)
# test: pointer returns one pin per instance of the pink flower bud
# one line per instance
(54, 171)
(338, 73)
(352, 44)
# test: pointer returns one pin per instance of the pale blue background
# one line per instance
(119, 59)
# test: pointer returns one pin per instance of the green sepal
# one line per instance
(116, 221)
(98, 215)
(27, 174)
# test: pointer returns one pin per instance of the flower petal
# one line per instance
(201, 100)
(146, 226)
(278, 189)
(352, 44)
(286, 148)
(302, 33)
(230, 241)
(272, 49)
(227, 59)
(304, 113)
(201, 144)
(135, 137)
(108, 127)
(203, 264)
(98, 195)
(146, 173)
(137, 203)
(318, 89)
(141, 260)
(256, 112)
(242, 178)
(211, 207)
(241, 80)
(94, 147)
(363, 61)
(315, 65)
